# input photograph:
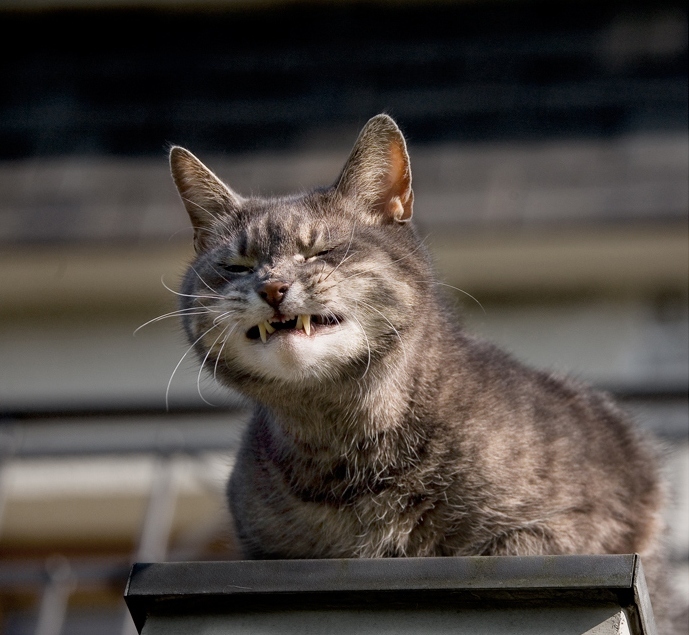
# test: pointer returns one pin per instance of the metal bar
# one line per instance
(508, 573)
(234, 405)
(28, 574)
(157, 523)
(643, 601)
(155, 532)
(194, 432)
(122, 435)
(178, 589)
(53, 607)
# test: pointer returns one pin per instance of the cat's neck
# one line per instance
(353, 407)
(385, 397)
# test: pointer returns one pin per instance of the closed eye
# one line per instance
(320, 254)
(236, 268)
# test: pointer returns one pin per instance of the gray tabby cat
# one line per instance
(380, 428)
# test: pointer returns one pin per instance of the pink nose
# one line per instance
(274, 292)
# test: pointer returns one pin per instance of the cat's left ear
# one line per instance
(378, 172)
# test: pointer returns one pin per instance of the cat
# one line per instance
(380, 427)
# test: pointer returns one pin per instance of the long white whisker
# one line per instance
(203, 281)
(205, 359)
(179, 363)
(217, 359)
(189, 311)
(367, 272)
(189, 295)
(464, 292)
(351, 237)
(354, 253)
(218, 273)
(392, 326)
(329, 312)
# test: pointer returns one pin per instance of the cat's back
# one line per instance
(545, 454)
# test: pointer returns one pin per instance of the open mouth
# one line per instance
(305, 323)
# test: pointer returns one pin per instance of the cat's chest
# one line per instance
(355, 508)
(342, 475)
(387, 524)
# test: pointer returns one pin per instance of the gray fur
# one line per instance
(402, 435)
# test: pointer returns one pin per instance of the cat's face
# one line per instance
(289, 295)
(302, 288)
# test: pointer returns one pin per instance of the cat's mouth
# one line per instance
(306, 323)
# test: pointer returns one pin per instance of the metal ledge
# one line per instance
(169, 590)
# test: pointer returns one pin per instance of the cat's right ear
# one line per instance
(377, 173)
(205, 197)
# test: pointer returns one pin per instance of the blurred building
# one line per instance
(550, 155)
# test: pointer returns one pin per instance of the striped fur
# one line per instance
(388, 431)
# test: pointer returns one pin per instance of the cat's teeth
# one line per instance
(265, 328)
(306, 323)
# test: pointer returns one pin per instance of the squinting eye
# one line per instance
(320, 254)
(236, 268)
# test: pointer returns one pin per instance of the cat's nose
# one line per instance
(274, 292)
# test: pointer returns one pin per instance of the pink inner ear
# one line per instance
(398, 198)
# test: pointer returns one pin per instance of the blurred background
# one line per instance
(550, 156)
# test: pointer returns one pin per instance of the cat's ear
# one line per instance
(204, 195)
(378, 172)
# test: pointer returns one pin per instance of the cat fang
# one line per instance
(291, 324)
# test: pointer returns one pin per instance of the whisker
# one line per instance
(220, 274)
(200, 373)
(385, 265)
(217, 359)
(205, 359)
(179, 363)
(180, 312)
(329, 312)
(464, 292)
(189, 295)
(203, 281)
(354, 253)
(351, 237)
(392, 326)
(219, 318)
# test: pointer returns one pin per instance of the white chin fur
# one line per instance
(296, 357)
